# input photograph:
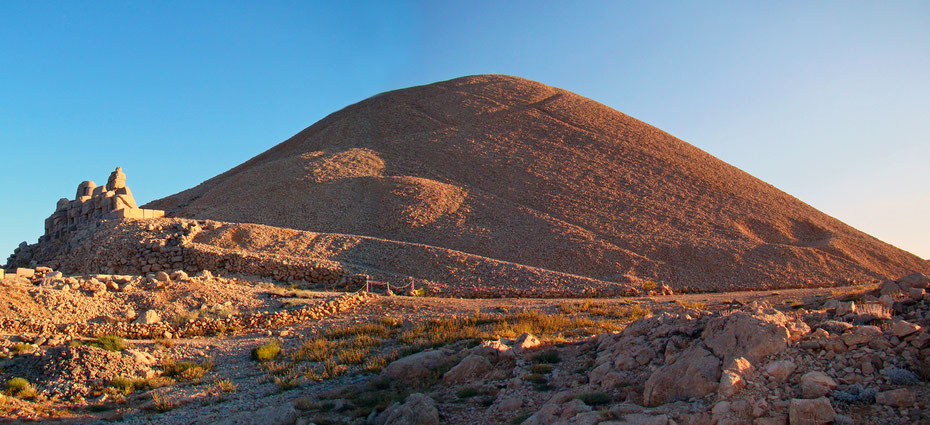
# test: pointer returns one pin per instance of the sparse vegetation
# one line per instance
(186, 370)
(106, 342)
(595, 398)
(267, 351)
(548, 356)
(225, 385)
(693, 305)
(126, 386)
(162, 402)
(649, 285)
(541, 368)
(22, 347)
(20, 388)
(467, 392)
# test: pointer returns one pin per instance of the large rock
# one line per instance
(902, 328)
(816, 384)
(780, 370)
(916, 280)
(418, 409)
(416, 365)
(149, 317)
(695, 373)
(470, 368)
(816, 411)
(754, 335)
(901, 397)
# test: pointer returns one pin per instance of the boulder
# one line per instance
(732, 379)
(148, 318)
(525, 342)
(916, 280)
(753, 335)
(179, 275)
(780, 370)
(470, 368)
(695, 373)
(416, 365)
(888, 287)
(418, 409)
(845, 308)
(26, 273)
(902, 328)
(816, 411)
(816, 384)
(901, 397)
(162, 277)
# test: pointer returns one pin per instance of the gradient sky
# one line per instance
(828, 101)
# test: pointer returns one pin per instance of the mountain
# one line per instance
(518, 171)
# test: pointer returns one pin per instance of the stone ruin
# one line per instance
(93, 203)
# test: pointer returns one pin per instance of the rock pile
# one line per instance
(750, 365)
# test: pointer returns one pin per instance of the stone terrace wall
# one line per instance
(129, 246)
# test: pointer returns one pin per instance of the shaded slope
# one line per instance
(511, 169)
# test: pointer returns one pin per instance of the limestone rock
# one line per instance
(780, 370)
(418, 409)
(901, 397)
(470, 368)
(416, 365)
(162, 277)
(816, 384)
(526, 341)
(901, 328)
(816, 411)
(751, 335)
(117, 179)
(86, 188)
(695, 373)
(916, 280)
(148, 318)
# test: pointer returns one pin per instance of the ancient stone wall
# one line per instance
(93, 203)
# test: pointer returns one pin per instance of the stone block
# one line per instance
(2, 274)
(24, 272)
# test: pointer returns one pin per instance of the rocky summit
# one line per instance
(485, 250)
(513, 170)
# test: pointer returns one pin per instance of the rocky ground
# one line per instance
(172, 348)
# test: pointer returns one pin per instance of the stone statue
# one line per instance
(117, 179)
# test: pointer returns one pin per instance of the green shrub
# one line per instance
(186, 370)
(541, 369)
(467, 392)
(536, 378)
(550, 356)
(20, 388)
(595, 398)
(266, 352)
(108, 342)
(22, 347)
(127, 385)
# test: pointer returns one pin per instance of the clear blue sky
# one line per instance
(829, 101)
